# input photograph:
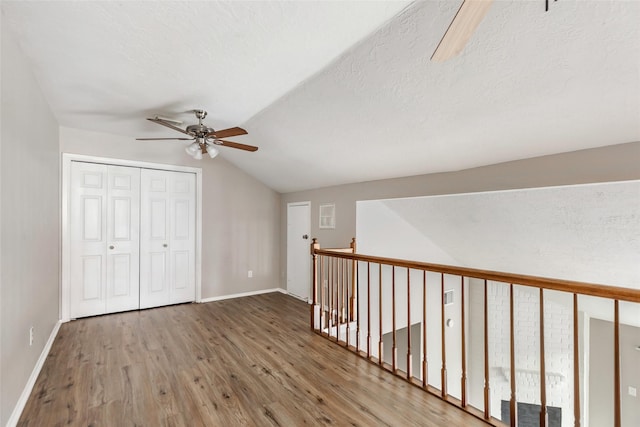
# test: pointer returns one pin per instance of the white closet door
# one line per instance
(182, 247)
(104, 239)
(167, 238)
(123, 239)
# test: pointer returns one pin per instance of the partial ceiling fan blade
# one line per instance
(235, 145)
(461, 29)
(169, 125)
(165, 139)
(226, 133)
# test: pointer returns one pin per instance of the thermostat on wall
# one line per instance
(448, 297)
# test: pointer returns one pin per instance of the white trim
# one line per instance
(199, 235)
(244, 294)
(28, 388)
(507, 190)
(67, 158)
(299, 204)
(330, 218)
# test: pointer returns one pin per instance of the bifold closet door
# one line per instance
(167, 238)
(104, 235)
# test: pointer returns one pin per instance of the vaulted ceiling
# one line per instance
(338, 92)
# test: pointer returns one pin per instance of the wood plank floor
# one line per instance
(251, 361)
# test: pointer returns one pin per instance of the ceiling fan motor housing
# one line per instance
(199, 130)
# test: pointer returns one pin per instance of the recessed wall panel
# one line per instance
(91, 277)
(158, 220)
(181, 186)
(92, 218)
(157, 271)
(91, 180)
(158, 185)
(121, 274)
(121, 218)
(121, 182)
(181, 269)
(181, 219)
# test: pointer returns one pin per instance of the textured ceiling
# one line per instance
(330, 94)
(106, 65)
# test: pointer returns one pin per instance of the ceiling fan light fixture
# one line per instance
(198, 155)
(192, 149)
(213, 151)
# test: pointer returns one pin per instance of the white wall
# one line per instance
(240, 215)
(585, 233)
(30, 218)
(382, 232)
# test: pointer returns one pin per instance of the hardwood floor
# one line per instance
(250, 361)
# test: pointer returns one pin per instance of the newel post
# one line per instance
(314, 247)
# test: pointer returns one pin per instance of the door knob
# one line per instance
(305, 237)
(111, 247)
(164, 245)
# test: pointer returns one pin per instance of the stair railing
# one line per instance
(349, 304)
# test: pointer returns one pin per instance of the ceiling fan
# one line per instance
(205, 139)
(461, 29)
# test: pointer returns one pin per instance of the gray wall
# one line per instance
(240, 215)
(30, 218)
(604, 164)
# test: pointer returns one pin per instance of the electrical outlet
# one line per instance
(31, 336)
(250, 274)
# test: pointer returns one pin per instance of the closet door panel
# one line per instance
(88, 238)
(183, 237)
(167, 238)
(154, 241)
(123, 231)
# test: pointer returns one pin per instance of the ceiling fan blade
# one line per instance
(225, 133)
(235, 145)
(165, 139)
(461, 29)
(169, 125)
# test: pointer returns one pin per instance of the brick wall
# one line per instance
(558, 348)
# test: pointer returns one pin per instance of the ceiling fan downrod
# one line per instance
(200, 114)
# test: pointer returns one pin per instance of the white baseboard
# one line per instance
(244, 294)
(22, 401)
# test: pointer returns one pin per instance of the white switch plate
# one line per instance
(632, 391)
(250, 274)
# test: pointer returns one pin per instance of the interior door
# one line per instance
(298, 255)
(167, 238)
(123, 238)
(104, 239)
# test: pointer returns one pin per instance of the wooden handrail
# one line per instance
(591, 289)
(344, 285)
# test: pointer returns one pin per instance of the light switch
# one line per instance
(632, 391)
